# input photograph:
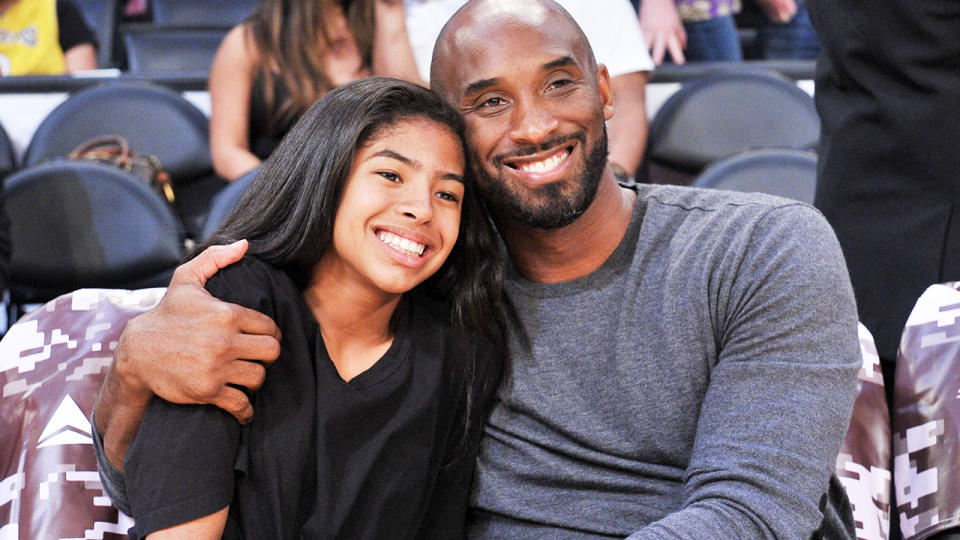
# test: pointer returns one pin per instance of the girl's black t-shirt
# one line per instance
(381, 456)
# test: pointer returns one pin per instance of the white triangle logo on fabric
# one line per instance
(68, 425)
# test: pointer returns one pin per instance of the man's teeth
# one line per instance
(402, 244)
(546, 165)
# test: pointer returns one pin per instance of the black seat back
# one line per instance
(154, 119)
(786, 172)
(152, 49)
(77, 224)
(723, 114)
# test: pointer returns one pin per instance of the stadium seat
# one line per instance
(786, 172)
(54, 361)
(926, 417)
(152, 49)
(224, 202)
(8, 156)
(79, 224)
(863, 463)
(211, 13)
(722, 114)
(154, 119)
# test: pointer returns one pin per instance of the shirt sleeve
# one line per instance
(73, 29)
(781, 394)
(110, 476)
(180, 467)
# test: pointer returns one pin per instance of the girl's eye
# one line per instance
(447, 196)
(390, 176)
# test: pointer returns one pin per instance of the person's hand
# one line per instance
(662, 30)
(778, 11)
(193, 348)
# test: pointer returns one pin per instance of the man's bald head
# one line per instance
(534, 102)
(480, 24)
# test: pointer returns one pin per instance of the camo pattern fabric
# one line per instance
(52, 363)
(927, 415)
(863, 464)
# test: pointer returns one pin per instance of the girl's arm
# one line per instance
(231, 82)
(210, 526)
(392, 54)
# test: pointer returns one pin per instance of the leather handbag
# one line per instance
(115, 150)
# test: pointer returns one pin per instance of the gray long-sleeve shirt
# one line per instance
(697, 385)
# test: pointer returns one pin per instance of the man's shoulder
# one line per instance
(699, 201)
(730, 217)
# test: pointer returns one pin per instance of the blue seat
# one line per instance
(722, 114)
(8, 155)
(222, 13)
(153, 49)
(223, 203)
(76, 224)
(786, 172)
(154, 120)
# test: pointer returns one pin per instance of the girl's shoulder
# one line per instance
(253, 283)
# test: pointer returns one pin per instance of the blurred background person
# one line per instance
(44, 37)
(707, 30)
(284, 57)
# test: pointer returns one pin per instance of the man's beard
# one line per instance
(545, 207)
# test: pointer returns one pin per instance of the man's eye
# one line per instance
(390, 175)
(560, 83)
(493, 102)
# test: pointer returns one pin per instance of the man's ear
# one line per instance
(605, 90)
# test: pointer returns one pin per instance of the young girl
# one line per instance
(288, 54)
(369, 249)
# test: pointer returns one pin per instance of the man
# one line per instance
(685, 362)
(613, 31)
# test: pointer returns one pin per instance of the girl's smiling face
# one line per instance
(399, 216)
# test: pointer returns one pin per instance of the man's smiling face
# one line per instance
(535, 106)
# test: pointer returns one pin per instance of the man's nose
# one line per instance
(533, 122)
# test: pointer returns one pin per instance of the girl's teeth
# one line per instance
(402, 244)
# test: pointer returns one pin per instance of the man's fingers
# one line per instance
(251, 321)
(261, 348)
(235, 402)
(246, 374)
(213, 259)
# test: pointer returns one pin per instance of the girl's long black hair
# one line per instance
(288, 211)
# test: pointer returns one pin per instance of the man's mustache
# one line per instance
(529, 150)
